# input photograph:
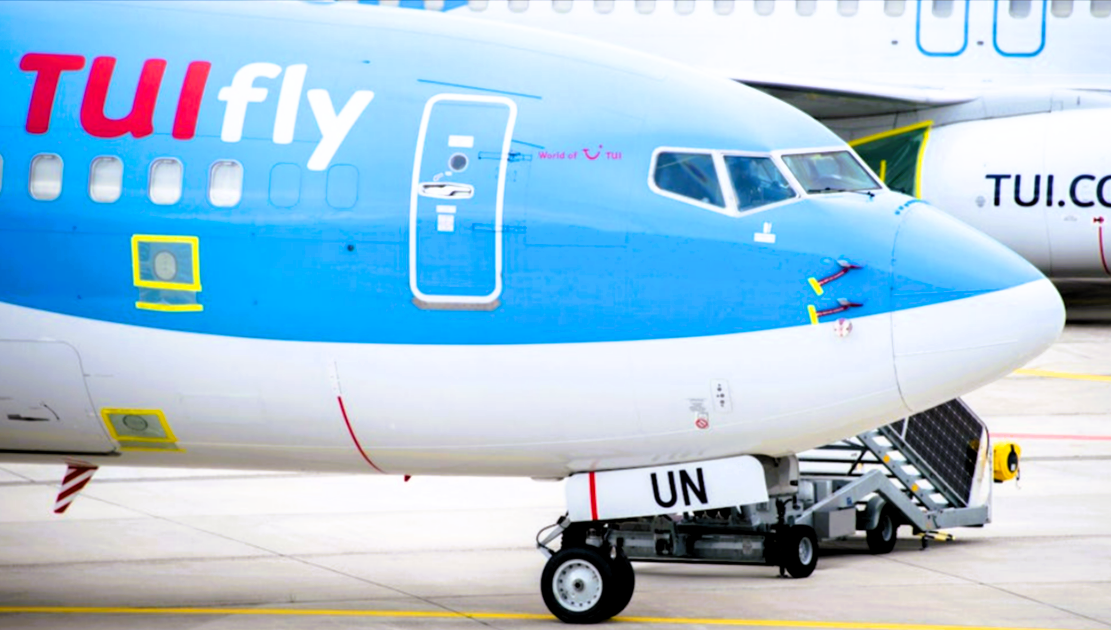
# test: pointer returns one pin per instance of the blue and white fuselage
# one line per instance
(331, 238)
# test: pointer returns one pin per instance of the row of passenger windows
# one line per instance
(225, 180)
(165, 181)
(895, 8)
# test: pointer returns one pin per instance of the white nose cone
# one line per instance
(945, 350)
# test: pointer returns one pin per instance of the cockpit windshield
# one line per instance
(829, 171)
(756, 181)
(720, 181)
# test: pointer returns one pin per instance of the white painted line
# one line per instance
(460, 142)
(445, 209)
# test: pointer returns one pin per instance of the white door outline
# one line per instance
(414, 197)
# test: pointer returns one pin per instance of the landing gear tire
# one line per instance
(881, 538)
(800, 551)
(624, 581)
(583, 585)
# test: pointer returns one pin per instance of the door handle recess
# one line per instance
(446, 190)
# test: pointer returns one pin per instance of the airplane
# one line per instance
(313, 237)
(997, 111)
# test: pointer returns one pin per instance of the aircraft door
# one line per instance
(44, 404)
(1019, 28)
(455, 215)
(942, 27)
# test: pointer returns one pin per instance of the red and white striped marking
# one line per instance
(77, 477)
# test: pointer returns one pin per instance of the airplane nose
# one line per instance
(966, 310)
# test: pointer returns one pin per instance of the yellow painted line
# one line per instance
(296, 612)
(817, 287)
(422, 614)
(170, 308)
(1066, 375)
(883, 170)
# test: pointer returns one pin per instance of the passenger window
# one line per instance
(165, 181)
(518, 6)
(1061, 8)
(603, 6)
(563, 6)
(756, 181)
(689, 175)
(942, 8)
(285, 185)
(764, 7)
(723, 7)
(433, 5)
(684, 7)
(46, 177)
(343, 186)
(645, 6)
(806, 7)
(1101, 8)
(894, 8)
(106, 179)
(478, 5)
(225, 183)
(1019, 8)
(848, 8)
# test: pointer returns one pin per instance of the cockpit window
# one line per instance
(756, 181)
(829, 171)
(689, 175)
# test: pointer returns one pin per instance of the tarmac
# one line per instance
(191, 549)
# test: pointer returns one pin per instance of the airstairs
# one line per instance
(932, 468)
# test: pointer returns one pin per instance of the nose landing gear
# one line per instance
(585, 584)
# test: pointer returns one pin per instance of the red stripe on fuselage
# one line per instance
(593, 499)
(354, 439)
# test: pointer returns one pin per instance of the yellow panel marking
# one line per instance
(921, 148)
(891, 132)
(435, 614)
(194, 244)
(886, 458)
(813, 314)
(817, 287)
(107, 412)
(914, 488)
(883, 171)
(1066, 375)
(918, 165)
(170, 308)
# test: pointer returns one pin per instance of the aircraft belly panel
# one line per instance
(44, 405)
